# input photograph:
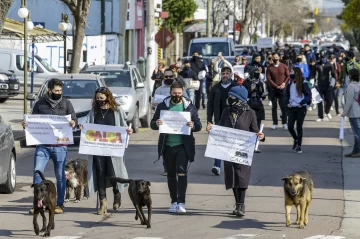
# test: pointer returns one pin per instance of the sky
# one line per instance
(331, 3)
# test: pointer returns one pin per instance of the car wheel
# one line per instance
(3, 100)
(146, 120)
(136, 121)
(10, 184)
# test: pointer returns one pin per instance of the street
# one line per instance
(332, 214)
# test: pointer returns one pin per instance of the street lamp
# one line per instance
(23, 13)
(64, 26)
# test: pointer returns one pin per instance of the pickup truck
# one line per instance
(9, 85)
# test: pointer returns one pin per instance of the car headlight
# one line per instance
(122, 100)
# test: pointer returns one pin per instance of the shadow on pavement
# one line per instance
(248, 224)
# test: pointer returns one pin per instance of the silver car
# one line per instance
(7, 158)
(79, 89)
(129, 89)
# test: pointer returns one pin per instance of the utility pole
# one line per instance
(151, 50)
(208, 18)
(234, 29)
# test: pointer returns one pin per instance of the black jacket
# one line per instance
(255, 103)
(42, 107)
(254, 64)
(188, 140)
(305, 90)
(197, 65)
(323, 73)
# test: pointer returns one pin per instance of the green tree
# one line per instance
(4, 8)
(351, 17)
(178, 11)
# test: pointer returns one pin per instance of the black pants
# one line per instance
(327, 95)
(278, 96)
(336, 99)
(239, 194)
(104, 169)
(298, 115)
(258, 123)
(176, 163)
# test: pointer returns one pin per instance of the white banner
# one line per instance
(231, 145)
(316, 97)
(175, 122)
(48, 129)
(103, 140)
(265, 42)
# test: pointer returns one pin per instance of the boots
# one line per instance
(240, 210)
(103, 207)
(117, 201)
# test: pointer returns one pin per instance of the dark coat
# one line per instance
(188, 140)
(255, 103)
(238, 175)
(197, 65)
(323, 74)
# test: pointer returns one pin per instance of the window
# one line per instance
(5, 61)
(115, 78)
(80, 89)
(134, 78)
(210, 49)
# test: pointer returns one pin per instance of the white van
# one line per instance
(13, 60)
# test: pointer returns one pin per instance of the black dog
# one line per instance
(44, 199)
(140, 196)
(76, 172)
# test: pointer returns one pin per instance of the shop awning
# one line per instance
(14, 30)
(195, 26)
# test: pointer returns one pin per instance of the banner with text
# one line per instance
(48, 129)
(103, 140)
(231, 145)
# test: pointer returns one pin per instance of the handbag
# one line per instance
(255, 104)
(192, 84)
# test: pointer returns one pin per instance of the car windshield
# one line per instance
(80, 89)
(115, 78)
(45, 64)
(241, 48)
(210, 48)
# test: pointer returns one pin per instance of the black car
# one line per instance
(9, 85)
(7, 158)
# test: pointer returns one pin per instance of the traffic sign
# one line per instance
(168, 37)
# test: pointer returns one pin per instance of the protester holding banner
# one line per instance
(177, 149)
(238, 116)
(297, 98)
(53, 103)
(106, 111)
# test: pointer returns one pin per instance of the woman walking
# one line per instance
(297, 98)
(238, 116)
(106, 111)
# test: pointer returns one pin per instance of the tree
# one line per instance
(350, 16)
(178, 11)
(4, 8)
(80, 11)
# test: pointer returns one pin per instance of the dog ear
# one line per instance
(302, 179)
(285, 178)
(148, 183)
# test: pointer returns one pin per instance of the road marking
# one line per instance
(65, 237)
(325, 237)
(239, 236)
(148, 238)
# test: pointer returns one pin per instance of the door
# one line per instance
(4, 154)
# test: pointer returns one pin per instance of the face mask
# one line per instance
(101, 102)
(292, 76)
(299, 60)
(225, 80)
(168, 81)
(231, 101)
(256, 75)
(323, 61)
(176, 99)
(55, 96)
(276, 61)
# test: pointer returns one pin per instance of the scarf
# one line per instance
(239, 108)
(52, 102)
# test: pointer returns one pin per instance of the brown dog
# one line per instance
(44, 199)
(140, 196)
(298, 188)
(76, 172)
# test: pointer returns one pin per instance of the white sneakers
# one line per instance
(329, 116)
(177, 208)
(285, 126)
(274, 126)
(216, 170)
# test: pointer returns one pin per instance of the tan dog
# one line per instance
(298, 188)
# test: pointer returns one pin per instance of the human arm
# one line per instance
(254, 127)
(287, 95)
(307, 95)
(287, 76)
(306, 72)
(154, 125)
(196, 123)
(349, 98)
(70, 111)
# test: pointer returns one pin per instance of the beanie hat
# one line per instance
(240, 92)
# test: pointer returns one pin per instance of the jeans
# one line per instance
(336, 92)
(278, 96)
(203, 93)
(298, 115)
(176, 163)
(355, 126)
(191, 94)
(217, 163)
(58, 155)
(327, 95)
(104, 168)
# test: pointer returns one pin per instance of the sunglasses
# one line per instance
(101, 89)
(166, 77)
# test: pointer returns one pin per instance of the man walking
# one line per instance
(197, 65)
(188, 75)
(277, 77)
(53, 103)
(217, 103)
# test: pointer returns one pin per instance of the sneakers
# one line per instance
(270, 103)
(298, 150)
(352, 155)
(310, 108)
(319, 120)
(164, 173)
(215, 170)
(332, 109)
(257, 151)
(173, 207)
(59, 209)
(285, 126)
(329, 116)
(274, 126)
(294, 145)
(181, 208)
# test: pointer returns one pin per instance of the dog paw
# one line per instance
(136, 217)
(37, 232)
(76, 201)
(297, 222)
(306, 221)
(46, 234)
(148, 226)
(43, 229)
(67, 200)
(288, 223)
(301, 226)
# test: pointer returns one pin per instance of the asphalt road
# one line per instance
(208, 203)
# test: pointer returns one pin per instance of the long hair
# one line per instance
(113, 105)
(299, 80)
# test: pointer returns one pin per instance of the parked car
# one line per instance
(129, 87)
(7, 158)
(9, 85)
(211, 46)
(239, 49)
(79, 89)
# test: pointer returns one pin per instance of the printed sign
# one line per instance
(266, 42)
(175, 122)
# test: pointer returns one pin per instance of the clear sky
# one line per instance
(332, 3)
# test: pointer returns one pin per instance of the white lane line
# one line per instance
(325, 237)
(239, 236)
(65, 237)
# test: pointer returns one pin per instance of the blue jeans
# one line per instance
(58, 155)
(217, 163)
(355, 126)
(203, 93)
(191, 94)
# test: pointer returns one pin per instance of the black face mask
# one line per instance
(292, 76)
(168, 81)
(275, 60)
(55, 96)
(232, 101)
(257, 75)
(101, 102)
(299, 60)
(176, 99)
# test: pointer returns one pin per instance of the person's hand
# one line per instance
(156, 70)
(24, 124)
(260, 69)
(289, 106)
(81, 127)
(337, 85)
(282, 86)
(299, 106)
(159, 122)
(154, 105)
(209, 127)
(260, 135)
(190, 124)
(72, 124)
(129, 131)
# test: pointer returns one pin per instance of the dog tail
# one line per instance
(41, 175)
(120, 180)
